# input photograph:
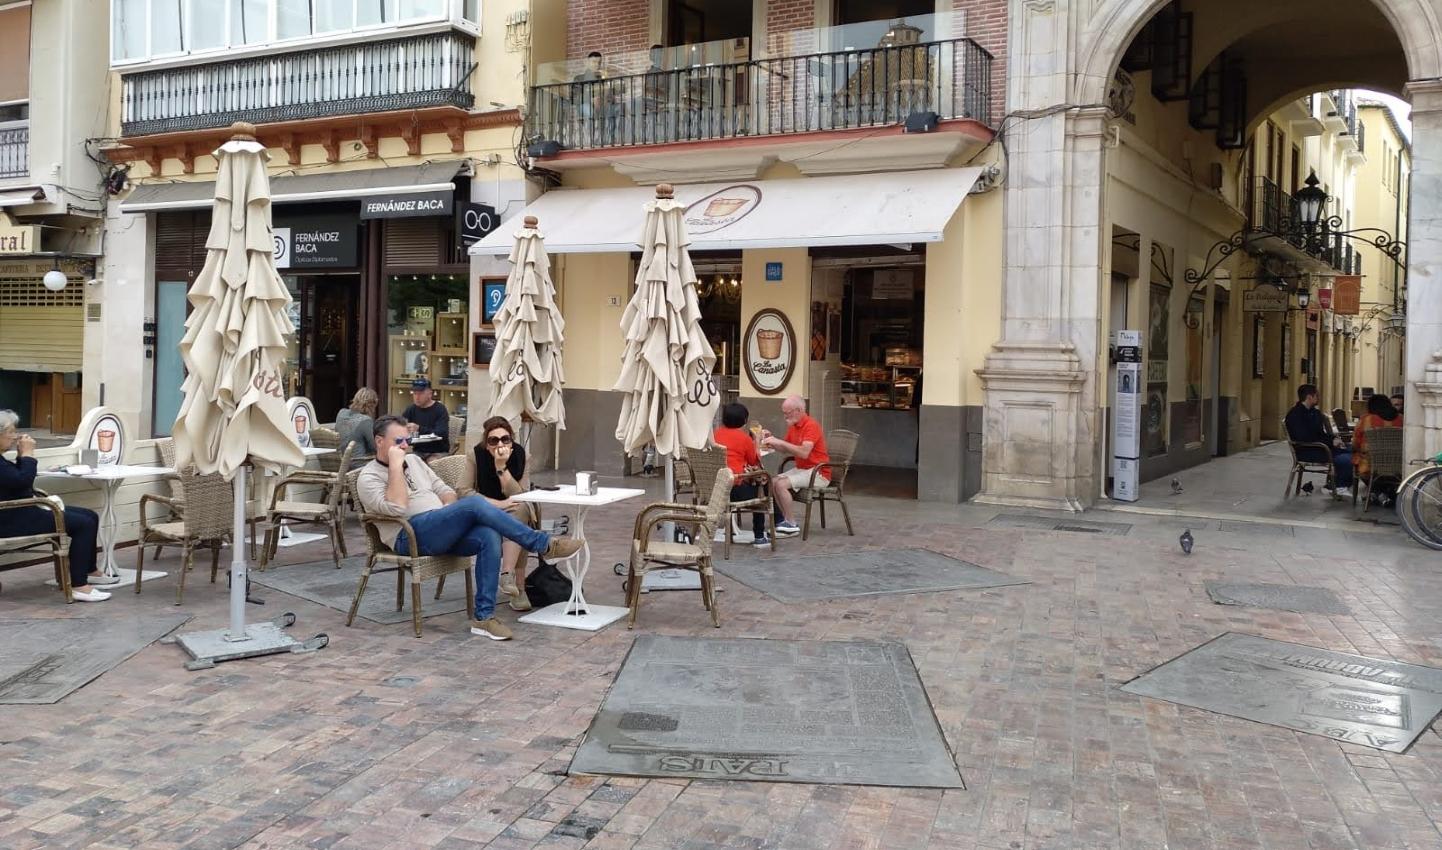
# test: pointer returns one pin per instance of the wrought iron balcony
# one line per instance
(354, 79)
(783, 95)
(1275, 213)
(14, 149)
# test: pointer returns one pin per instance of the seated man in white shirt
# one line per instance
(399, 484)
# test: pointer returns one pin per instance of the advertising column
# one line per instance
(1126, 416)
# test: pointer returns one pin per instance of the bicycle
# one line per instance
(1419, 504)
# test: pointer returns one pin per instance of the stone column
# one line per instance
(1423, 342)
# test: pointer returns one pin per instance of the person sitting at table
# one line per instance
(741, 457)
(500, 473)
(1380, 414)
(82, 526)
(357, 424)
(807, 445)
(428, 416)
(396, 485)
(1306, 424)
(1397, 401)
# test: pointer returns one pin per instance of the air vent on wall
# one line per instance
(92, 312)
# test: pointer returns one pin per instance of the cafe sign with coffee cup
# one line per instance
(769, 351)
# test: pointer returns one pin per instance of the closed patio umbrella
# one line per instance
(234, 350)
(526, 374)
(666, 368)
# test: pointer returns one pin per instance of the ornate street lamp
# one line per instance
(1311, 200)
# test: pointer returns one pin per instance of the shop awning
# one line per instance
(21, 197)
(345, 185)
(864, 209)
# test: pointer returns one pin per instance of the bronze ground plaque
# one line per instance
(826, 712)
(1352, 698)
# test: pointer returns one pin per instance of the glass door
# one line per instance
(170, 309)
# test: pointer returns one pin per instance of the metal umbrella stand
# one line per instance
(233, 418)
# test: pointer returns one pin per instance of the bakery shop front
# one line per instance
(873, 296)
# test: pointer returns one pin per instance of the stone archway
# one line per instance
(1042, 407)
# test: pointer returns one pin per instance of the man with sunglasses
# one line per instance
(398, 484)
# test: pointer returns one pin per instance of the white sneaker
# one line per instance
(1344, 492)
(91, 595)
(102, 580)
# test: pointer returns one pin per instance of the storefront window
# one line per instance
(1192, 410)
(718, 291)
(881, 318)
(428, 337)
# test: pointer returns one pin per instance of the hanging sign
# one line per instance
(475, 221)
(19, 238)
(410, 205)
(1347, 295)
(1265, 298)
(1324, 298)
(315, 241)
(769, 350)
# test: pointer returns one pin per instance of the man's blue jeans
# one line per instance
(473, 526)
(1342, 460)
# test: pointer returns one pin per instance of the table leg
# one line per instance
(109, 528)
(576, 567)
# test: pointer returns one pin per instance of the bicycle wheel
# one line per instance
(1419, 506)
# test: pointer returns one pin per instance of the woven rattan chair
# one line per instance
(456, 432)
(454, 471)
(841, 445)
(1301, 467)
(176, 500)
(326, 513)
(1383, 448)
(208, 520)
(697, 465)
(417, 568)
(327, 438)
(761, 504)
(648, 554)
(56, 541)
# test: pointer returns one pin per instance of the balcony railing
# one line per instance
(381, 76)
(14, 149)
(1274, 213)
(791, 94)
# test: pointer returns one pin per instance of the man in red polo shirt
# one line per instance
(805, 443)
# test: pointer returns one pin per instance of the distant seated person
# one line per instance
(396, 484)
(805, 443)
(17, 481)
(1306, 424)
(741, 457)
(1397, 403)
(426, 417)
(356, 424)
(500, 474)
(1380, 414)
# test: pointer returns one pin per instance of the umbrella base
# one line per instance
(670, 580)
(597, 617)
(206, 649)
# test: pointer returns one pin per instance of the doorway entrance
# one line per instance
(325, 349)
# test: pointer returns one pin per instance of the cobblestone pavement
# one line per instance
(383, 740)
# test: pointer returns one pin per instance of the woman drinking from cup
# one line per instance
(500, 474)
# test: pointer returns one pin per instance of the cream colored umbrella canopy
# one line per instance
(234, 347)
(666, 368)
(526, 374)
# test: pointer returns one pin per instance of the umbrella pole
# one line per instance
(238, 561)
(668, 530)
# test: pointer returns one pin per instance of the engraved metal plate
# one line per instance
(1351, 698)
(827, 712)
(43, 661)
(1282, 597)
(876, 572)
(1265, 529)
(1047, 523)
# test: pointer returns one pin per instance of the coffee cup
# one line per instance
(105, 441)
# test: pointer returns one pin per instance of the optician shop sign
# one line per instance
(411, 205)
(316, 241)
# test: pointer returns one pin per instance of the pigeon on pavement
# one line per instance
(1186, 541)
(1176, 486)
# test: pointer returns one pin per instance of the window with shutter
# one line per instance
(413, 242)
(180, 242)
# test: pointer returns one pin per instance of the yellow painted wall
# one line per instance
(963, 302)
(791, 295)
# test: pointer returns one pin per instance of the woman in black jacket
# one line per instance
(17, 481)
(500, 474)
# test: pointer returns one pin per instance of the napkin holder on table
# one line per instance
(587, 484)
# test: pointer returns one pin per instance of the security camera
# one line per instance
(94, 281)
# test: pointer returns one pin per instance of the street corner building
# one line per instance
(932, 220)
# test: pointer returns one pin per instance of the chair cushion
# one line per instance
(172, 530)
(12, 544)
(659, 550)
(301, 509)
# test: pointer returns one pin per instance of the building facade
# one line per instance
(52, 107)
(1383, 181)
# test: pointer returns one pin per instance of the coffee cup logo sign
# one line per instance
(107, 439)
(302, 417)
(721, 209)
(770, 351)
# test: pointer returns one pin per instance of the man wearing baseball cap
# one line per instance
(428, 416)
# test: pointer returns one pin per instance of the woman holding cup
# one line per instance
(500, 473)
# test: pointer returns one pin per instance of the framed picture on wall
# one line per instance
(1259, 346)
(493, 294)
(483, 348)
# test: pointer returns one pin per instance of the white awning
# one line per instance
(335, 186)
(863, 209)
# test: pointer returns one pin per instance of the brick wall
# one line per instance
(783, 16)
(610, 26)
(985, 22)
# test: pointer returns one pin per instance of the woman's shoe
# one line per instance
(520, 602)
(101, 579)
(508, 584)
(91, 595)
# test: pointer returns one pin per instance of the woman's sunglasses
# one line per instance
(502, 440)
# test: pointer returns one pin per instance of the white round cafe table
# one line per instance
(109, 478)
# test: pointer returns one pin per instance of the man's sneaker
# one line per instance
(787, 528)
(562, 548)
(491, 628)
(520, 602)
(101, 579)
(763, 540)
(508, 584)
